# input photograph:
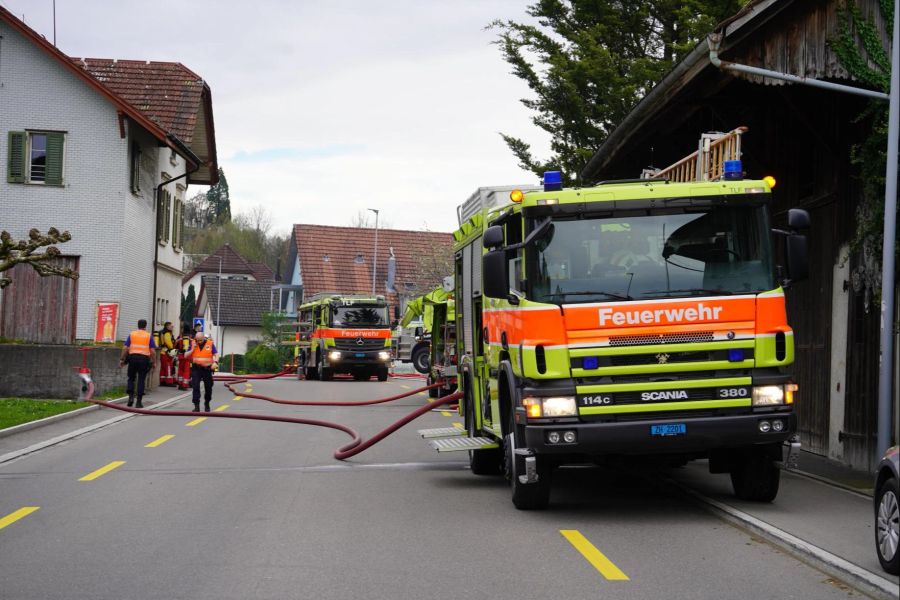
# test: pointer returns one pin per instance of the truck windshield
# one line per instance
(360, 316)
(655, 254)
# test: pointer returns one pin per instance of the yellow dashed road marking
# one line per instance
(457, 425)
(159, 441)
(236, 398)
(221, 408)
(196, 421)
(446, 413)
(103, 470)
(594, 556)
(15, 516)
(405, 387)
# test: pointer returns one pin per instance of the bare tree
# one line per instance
(23, 252)
(257, 218)
(366, 220)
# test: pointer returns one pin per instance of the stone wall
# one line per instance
(28, 371)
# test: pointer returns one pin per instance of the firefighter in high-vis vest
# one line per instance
(139, 346)
(167, 355)
(204, 361)
(183, 345)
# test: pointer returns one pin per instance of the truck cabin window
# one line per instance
(666, 253)
(360, 316)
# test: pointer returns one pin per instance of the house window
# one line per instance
(177, 223)
(135, 167)
(163, 216)
(35, 157)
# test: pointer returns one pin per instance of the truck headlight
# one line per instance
(384, 355)
(768, 395)
(552, 406)
(334, 355)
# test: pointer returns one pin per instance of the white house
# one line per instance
(233, 310)
(104, 149)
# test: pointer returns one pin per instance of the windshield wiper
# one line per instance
(607, 294)
(689, 291)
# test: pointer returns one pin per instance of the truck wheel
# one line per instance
(311, 373)
(420, 359)
(482, 462)
(433, 392)
(886, 541)
(755, 476)
(382, 374)
(325, 373)
(525, 496)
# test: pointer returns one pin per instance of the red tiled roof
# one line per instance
(232, 263)
(261, 271)
(339, 259)
(167, 92)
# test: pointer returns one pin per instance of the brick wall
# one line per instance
(46, 371)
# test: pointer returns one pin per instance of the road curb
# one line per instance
(820, 558)
(9, 456)
(54, 418)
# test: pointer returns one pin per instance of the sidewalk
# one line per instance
(69, 425)
(831, 526)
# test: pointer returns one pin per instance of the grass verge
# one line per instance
(15, 411)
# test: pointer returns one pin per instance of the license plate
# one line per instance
(360, 355)
(668, 429)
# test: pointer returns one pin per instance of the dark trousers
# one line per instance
(203, 374)
(138, 366)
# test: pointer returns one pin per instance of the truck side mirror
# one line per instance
(494, 273)
(493, 237)
(798, 219)
(397, 312)
(797, 257)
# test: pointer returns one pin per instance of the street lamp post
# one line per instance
(375, 257)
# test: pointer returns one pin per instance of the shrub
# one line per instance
(263, 359)
(238, 364)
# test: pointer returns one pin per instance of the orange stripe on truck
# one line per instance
(352, 333)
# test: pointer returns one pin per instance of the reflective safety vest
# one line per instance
(139, 342)
(202, 355)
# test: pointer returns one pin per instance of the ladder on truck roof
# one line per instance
(707, 163)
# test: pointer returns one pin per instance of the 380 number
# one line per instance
(739, 392)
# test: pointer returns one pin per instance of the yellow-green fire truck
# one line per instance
(344, 334)
(632, 318)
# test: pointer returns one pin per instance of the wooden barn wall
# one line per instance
(802, 137)
(39, 309)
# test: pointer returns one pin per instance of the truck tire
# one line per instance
(755, 476)
(525, 496)
(325, 373)
(420, 359)
(433, 392)
(482, 462)
(382, 374)
(310, 373)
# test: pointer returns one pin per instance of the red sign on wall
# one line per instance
(107, 320)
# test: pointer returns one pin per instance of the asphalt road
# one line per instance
(231, 509)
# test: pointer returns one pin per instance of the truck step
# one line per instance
(459, 444)
(442, 432)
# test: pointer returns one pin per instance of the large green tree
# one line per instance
(218, 201)
(588, 62)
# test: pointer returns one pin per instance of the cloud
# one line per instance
(294, 154)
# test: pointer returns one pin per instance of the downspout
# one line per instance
(193, 159)
(884, 422)
(715, 40)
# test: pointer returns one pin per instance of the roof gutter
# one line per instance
(714, 41)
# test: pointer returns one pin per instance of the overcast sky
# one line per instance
(324, 108)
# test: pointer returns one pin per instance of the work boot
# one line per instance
(206, 406)
(139, 404)
(130, 399)
(196, 407)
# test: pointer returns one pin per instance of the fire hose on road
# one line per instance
(354, 447)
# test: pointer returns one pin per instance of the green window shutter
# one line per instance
(15, 168)
(167, 208)
(55, 148)
(160, 218)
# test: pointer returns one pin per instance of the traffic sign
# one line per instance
(199, 324)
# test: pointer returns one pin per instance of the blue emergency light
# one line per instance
(736, 355)
(590, 362)
(552, 181)
(733, 170)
